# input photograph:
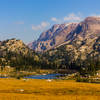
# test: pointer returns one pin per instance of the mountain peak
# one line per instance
(14, 45)
(53, 36)
(91, 18)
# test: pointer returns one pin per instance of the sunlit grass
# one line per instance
(13, 89)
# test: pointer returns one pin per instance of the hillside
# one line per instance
(67, 46)
(82, 35)
(13, 45)
(54, 36)
(85, 40)
(81, 48)
(15, 53)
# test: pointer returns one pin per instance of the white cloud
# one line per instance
(72, 17)
(42, 26)
(54, 19)
(69, 18)
(95, 15)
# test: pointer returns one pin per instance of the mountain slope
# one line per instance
(15, 53)
(14, 45)
(81, 48)
(82, 40)
(52, 37)
(85, 36)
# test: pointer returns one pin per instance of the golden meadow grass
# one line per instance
(31, 89)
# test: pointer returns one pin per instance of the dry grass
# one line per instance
(13, 89)
(6, 72)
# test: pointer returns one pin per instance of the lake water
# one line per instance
(3, 77)
(48, 76)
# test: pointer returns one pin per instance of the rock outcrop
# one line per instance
(52, 37)
(80, 40)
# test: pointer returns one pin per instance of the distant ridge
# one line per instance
(54, 36)
(59, 34)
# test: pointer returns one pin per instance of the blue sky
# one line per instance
(26, 19)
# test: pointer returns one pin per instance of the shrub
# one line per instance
(81, 79)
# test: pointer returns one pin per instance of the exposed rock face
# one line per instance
(81, 48)
(81, 40)
(13, 45)
(85, 39)
(52, 37)
(15, 53)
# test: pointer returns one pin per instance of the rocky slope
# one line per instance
(80, 49)
(14, 45)
(82, 44)
(16, 54)
(85, 38)
(65, 46)
(82, 39)
(52, 37)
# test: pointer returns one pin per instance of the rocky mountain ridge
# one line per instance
(69, 46)
(14, 45)
(82, 44)
(15, 53)
(52, 37)
(82, 39)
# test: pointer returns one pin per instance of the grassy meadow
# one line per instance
(32, 89)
